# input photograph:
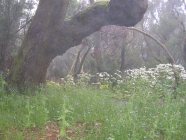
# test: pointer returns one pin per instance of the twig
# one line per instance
(23, 26)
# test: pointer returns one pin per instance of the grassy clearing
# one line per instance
(134, 111)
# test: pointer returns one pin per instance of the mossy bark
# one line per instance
(50, 35)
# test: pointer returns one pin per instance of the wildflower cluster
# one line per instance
(106, 78)
(83, 79)
(69, 80)
(162, 72)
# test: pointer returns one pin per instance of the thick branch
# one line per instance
(97, 16)
(82, 25)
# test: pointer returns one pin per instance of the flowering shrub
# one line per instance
(110, 79)
(161, 74)
(53, 84)
(104, 78)
(83, 79)
(69, 80)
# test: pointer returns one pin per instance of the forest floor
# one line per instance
(57, 112)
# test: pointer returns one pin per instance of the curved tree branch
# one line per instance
(171, 58)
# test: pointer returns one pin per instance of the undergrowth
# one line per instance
(133, 111)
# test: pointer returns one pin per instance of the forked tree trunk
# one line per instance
(83, 60)
(50, 35)
(77, 61)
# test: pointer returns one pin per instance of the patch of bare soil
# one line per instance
(52, 131)
(81, 129)
(33, 134)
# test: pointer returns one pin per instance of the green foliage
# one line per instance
(140, 113)
(63, 118)
(2, 83)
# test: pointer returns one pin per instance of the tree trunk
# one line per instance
(91, 1)
(83, 60)
(49, 35)
(184, 52)
(37, 50)
(76, 61)
(5, 39)
(123, 51)
(2, 51)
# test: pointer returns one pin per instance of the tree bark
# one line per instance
(91, 1)
(184, 51)
(83, 60)
(79, 68)
(50, 35)
(123, 52)
(37, 51)
(5, 38)
(77, 61)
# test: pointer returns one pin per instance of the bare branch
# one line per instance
(23, 26)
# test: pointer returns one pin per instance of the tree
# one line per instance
(50, 34)
(91, 1)
(10, 11)
(184, 52)
(13, 13)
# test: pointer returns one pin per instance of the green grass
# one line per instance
(131, 112)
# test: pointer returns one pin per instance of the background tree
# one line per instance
(13, 15)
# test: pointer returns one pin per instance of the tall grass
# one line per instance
(141, 113)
